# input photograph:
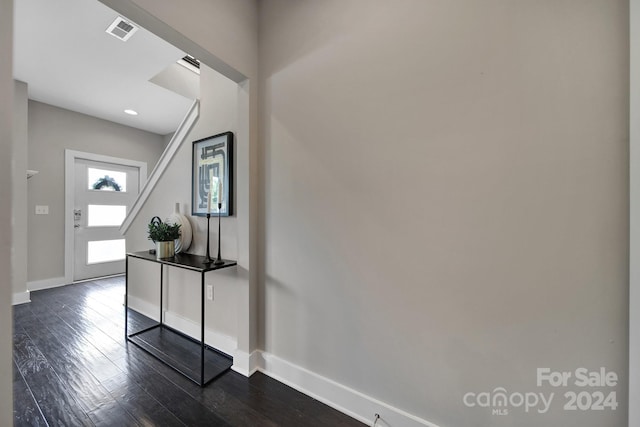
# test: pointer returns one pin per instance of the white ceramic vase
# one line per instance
(186, 233)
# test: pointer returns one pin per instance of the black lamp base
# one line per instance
(219, 260)
(207, 259)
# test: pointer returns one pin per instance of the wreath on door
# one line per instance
(108, 182)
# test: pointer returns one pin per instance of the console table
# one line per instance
(172, 347)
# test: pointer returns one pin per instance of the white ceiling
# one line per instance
(61, 50)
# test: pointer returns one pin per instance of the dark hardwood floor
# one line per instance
(72, 367)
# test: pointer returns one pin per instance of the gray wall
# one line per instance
(634, 207)
(51, 131)
(445, 198)
(6, 120)
(19, 196)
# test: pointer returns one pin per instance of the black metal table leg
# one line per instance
(161, 290)
(202, 319)
(126, 297)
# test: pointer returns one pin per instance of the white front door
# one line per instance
(103, 195)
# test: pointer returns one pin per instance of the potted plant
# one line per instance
(164, 235)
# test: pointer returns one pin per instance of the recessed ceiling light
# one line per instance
(131, 112)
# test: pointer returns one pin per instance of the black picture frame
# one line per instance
(212, 156)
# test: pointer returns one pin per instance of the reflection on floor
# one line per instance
(73, 368)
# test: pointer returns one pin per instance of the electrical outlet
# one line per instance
(210, 292)
(42, 210)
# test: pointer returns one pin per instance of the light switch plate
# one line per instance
(42, 210)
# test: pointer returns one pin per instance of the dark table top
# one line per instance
(184, 260)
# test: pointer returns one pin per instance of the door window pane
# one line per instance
(105, 251)
(106, 215)
(106, 180)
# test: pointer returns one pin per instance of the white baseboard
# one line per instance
(340, 397)
(346, 400)
(21, 298)
(246, 364)
(143, 307)
(217, 340)
(38, 285)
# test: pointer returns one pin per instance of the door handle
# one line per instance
(76, 225)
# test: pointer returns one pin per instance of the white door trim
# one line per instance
(70, 157)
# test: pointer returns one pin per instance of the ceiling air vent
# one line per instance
(191, 60)
(190, 63)
(122, 29)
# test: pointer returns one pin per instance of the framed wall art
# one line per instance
(212, 175)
